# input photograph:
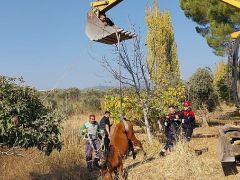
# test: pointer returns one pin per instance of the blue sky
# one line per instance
(44, 41)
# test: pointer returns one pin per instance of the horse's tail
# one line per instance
(132, 137)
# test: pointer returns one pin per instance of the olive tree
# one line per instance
(24, 121)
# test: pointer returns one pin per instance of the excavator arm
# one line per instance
(97, 30)
(104, 32)
(104, 6)
(235, 3)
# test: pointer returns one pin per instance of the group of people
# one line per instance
(176, 123)
(93, 133)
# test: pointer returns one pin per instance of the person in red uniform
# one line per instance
(188, 122)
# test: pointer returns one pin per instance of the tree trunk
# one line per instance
(160, 126)
(204, 118)
(145, 112)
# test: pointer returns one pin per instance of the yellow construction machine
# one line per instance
(100, 30)
(235, 3)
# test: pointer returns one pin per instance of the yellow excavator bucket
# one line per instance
(235, 3)
(98, 31)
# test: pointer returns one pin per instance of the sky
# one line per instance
(44, 41)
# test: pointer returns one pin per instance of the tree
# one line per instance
(131, 108)
(74, 100)
(221, 81)
(162, 49)
(24, 121)
(162, 58)
(134, 74)
(202, 91)
(216, 21)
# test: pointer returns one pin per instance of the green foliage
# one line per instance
(131, 107)
(174, 96)
(34, 124)
(74, 100)
(162, 49)
(201, 89)
(163, 61)
(220, 82)
(216, 20)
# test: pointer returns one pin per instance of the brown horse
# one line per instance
(118, 148)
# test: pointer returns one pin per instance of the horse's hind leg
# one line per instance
(131, 148)
(136, 142)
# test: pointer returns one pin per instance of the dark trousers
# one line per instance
(106, 143)
(170, 137)
(188, 131)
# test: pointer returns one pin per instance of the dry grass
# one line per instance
(68, 164)
(182, 163)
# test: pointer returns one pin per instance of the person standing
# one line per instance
(169, 130)
(91, 132)
(188, 122)
(105, 125)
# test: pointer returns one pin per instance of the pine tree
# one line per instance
(216, 20)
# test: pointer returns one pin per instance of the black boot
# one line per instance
(162, 153)
(134, 155)
(89, 164)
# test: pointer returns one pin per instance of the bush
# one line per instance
(221, 81)
(74, 100)
(24, 120)
(201, 89)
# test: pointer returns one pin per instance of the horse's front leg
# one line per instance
(116, 174)
(122, 171)
(124, 174)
